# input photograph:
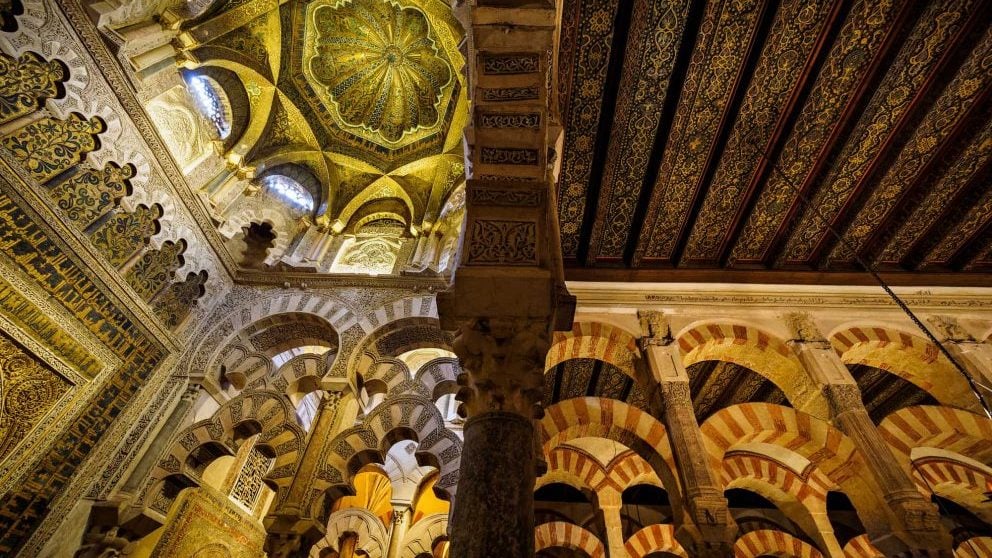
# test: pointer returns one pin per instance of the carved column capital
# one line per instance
(804, 330)
(655, 327)
(503, 364)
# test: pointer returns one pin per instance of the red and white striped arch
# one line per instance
(908, 356)
(659, 537)
(964, 483)
(771, 542)
(833, 453)
(928, 426)
(596, 417)
(567, 535)
(575, 467)
(595, 340)
(861, 547)
(756, 350)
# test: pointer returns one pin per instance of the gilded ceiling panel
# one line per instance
(952, 184)
(963, 233)
(587, 36)
(379, 66)
(787, 52)
(945, 119)
(934, 35)
(721, 48)
(651, 51)
(857, 45)
(873, 113)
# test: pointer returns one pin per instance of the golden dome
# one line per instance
(380, 66)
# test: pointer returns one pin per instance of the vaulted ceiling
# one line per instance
(724, 139)
(367, 95)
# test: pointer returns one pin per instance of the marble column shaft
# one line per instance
(400, 525)
(610, 501)
(493, 514)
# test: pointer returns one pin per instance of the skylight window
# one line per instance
(288, 191)
(209, 101)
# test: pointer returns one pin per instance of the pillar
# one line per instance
(508, 293)
(709, 530)
(610, 501)
(975, 357)
(347, 546)
(154, 451)
(400, 525)
(494, 507)
(915, 524)
(293, 526)
(507, 298)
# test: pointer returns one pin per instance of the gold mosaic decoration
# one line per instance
(125, 233)
(916, 62)
(92, 192)
(379, 67)
(49, 146)
(155, 269)
(29, 388)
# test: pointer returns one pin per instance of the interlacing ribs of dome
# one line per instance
(379, 64)
(380, 67)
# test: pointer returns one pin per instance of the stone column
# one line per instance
(610, 501)
(292, 527)
(347, 545)
(709, 529)
(502, 384)
(915, 521)
(401, 523)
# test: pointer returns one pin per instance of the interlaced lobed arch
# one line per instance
(371, 533)
(406, 417)
(267, 413)
(424, 535)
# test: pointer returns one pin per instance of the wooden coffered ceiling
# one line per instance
(721, 139)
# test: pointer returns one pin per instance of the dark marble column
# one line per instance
(494, 509)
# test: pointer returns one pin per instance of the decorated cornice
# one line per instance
(599, 295)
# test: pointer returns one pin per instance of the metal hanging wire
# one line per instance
(870, 269)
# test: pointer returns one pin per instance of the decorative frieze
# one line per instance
(509, 156)
(528, 120)
(506, 196)
(503, 243)
(510, 64)
(505, 94)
